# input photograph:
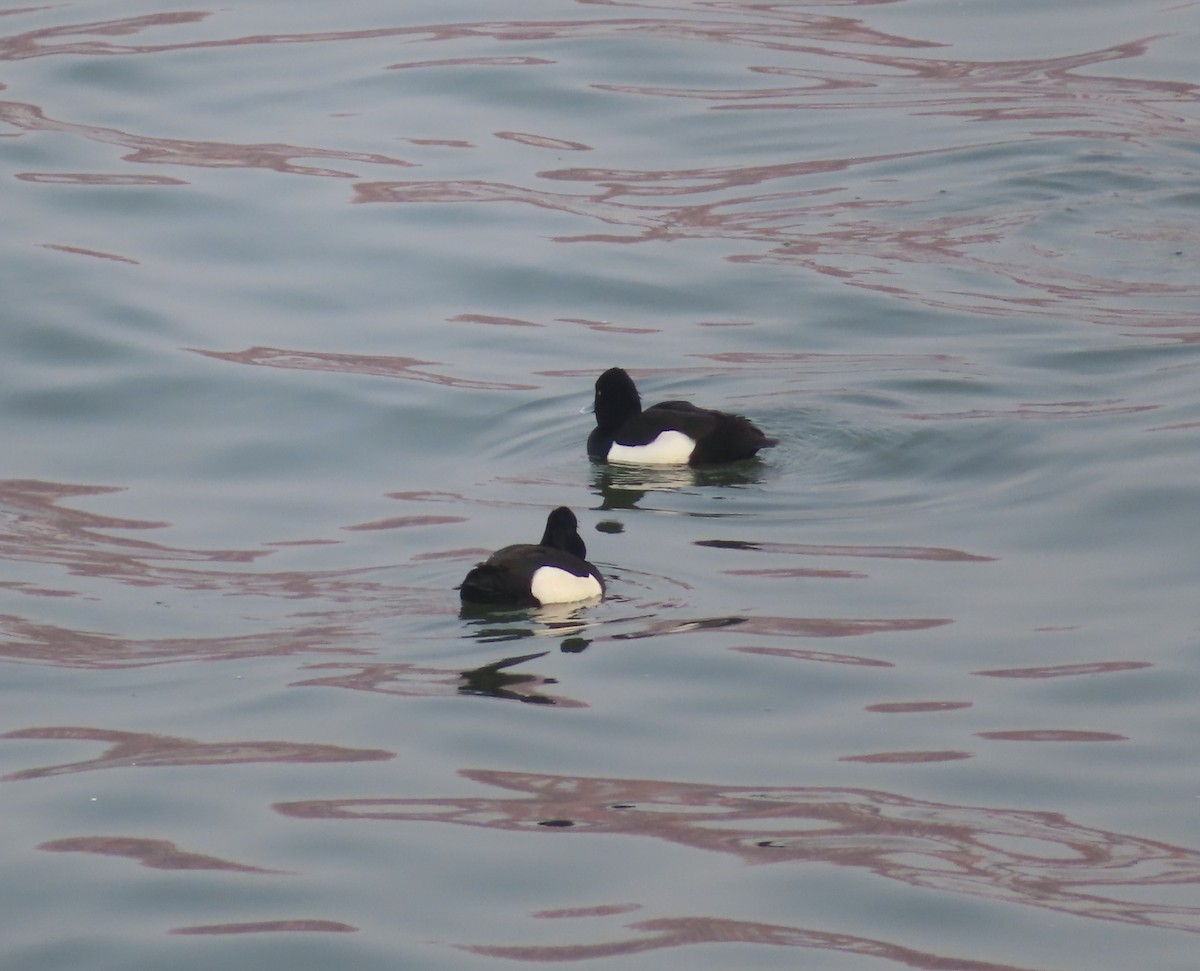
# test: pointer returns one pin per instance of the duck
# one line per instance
(553, 571)
(668, 433)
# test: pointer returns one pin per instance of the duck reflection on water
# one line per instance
(624, 486)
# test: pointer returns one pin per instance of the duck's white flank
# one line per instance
(669, 448)
(554, 586)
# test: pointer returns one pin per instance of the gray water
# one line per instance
(301, 302)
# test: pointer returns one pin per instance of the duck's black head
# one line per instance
(617, 400)
(562, 533)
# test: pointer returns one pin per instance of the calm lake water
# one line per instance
(301, 302)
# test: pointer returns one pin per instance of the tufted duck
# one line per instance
(554, 571)
(668, 433)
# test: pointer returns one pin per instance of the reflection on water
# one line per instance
(1038, 859)
(1068, 670)
(910, 707)
(908, 758)
(36, 527)
(796, 213)
(673, 932)
(1052, 735)
(156, 854)
(872, 552)
(488, 623)
(163, 151)
(392, 367)
(24, 640)
(492, 680)
(127, 749)
(787, 627)
(624, 486)
(495, 681)
(824, 657)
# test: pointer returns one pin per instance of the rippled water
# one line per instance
(301, 303)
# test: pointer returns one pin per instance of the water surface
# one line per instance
(301, 307)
